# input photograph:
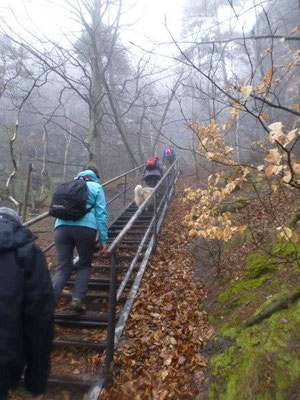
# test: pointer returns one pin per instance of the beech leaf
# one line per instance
(246, 91)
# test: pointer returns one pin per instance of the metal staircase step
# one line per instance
(79, 344)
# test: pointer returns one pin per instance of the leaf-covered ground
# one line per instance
(161, 355)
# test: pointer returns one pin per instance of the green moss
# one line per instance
(238, 287)
(212, 318)
(241, 203)
(261, 365)
(229, 332)
(294, 219)
(261, 361)
(223, 359)
(257, 265)
(285, 248)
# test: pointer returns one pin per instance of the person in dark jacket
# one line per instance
(81, 234)
(152, 175)
(26, 308)
(168, 156)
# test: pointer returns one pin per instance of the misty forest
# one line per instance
(217, 313)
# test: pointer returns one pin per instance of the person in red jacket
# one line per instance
(26, 309)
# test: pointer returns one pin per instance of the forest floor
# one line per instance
(187, 335)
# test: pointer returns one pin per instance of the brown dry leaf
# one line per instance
(164, 374)
(168, 307)
(173, 340)
(273, 170)
(290, 65)
(273, 156)
(66, 395)
(296, 29)
(155, 315)
(181, 359)
(296, 168)
(168, 361)
(226, 126)
(263, 116)
(246, 91)
(233, 112)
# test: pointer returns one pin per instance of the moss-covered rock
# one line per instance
(259, 360)
(260, 365)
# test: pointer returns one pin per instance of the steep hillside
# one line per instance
(253, 304)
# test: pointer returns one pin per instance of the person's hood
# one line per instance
(12, 233)
(91, 174)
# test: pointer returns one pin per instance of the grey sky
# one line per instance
(146, 18)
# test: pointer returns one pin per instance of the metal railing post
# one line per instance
(125, 190)
(174, 174)
(155, 222)
(111, 318)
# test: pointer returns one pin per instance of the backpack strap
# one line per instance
(86, 178)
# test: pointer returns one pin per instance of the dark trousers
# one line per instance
(66, 239)
(3, 396)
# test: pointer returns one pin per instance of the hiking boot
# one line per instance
(76, 307)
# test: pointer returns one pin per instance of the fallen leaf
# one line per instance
(66, 395)
(181, 359)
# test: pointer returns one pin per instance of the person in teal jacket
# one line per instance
(82, 235)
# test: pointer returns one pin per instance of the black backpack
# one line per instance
(69, 200)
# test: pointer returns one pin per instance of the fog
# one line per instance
(104, 81)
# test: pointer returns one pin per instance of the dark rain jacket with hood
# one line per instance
(26, 309)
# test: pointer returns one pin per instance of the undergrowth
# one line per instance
(256, 316)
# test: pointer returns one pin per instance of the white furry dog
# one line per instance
(141, 193)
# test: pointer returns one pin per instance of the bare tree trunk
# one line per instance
(68, 139)
(44, 162)
(118, 121)
(96, 90)
(12, 176)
